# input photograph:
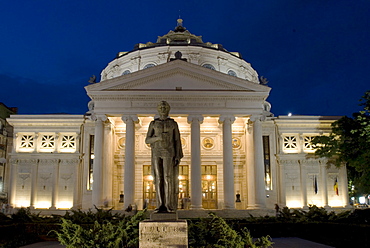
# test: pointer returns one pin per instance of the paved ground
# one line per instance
(296, 243)
(279, 243)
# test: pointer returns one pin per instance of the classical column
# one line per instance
(228, 167)
(259, 166)
(34, 172)
(13, 181)
(107, 169)
(196, 174)
(97, 189)
(282, 194)
(343, 184)
(55, 187)
(303, 184)
(78, 182)
(250, 167)
(324, 184)
(129, 166)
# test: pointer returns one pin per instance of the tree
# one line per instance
(349, 144)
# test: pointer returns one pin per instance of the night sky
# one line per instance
(315, 54)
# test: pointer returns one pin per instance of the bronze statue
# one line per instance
(164, 139)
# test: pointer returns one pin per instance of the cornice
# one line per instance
(182, 96)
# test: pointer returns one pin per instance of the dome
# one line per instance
(180, 44)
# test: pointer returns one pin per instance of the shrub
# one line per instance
(105, 234)
(217, 233)
(99, 215)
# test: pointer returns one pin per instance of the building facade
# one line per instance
(237, 155)
(6, 139)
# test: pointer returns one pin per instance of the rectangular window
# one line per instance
(91, 163)
(209, 170)
(267, 162)
(184, 170)
(147, 170)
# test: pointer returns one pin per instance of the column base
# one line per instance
(256, 206)
(196, 207)
(229, 208)
(53, 208)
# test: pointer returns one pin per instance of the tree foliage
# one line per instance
(349, 144)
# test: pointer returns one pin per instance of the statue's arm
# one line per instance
(178, 146)
(150, 136)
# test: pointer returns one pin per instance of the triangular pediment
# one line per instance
(177, 75)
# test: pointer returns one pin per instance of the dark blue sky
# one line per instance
(315, 54)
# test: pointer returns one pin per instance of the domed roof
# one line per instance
(186, 46)
(180, 36)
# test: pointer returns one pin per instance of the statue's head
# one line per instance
(163, 108)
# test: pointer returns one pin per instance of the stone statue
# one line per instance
(92, 79)
(164, 139)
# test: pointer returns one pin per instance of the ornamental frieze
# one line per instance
(69, 162)
(48, 161)
(27, 161)
(291, 162)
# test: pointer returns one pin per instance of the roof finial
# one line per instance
(179, 27)
(179, 22)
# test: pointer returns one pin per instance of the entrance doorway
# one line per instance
(149, 193)
(209, 186)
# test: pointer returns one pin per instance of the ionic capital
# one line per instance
(226, 118)
(255, 118)
(98, 117)
(192, 118)
(130, 118)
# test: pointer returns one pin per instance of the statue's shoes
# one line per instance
(161, 209)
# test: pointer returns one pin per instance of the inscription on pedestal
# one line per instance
(163, 234)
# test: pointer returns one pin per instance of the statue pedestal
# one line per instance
(163, 230)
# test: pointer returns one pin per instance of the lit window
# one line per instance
(91, 163)
(290, 143)
(68, 142)
(232, 73)
(27, 141)
(267, 162)
(308, 143)
(209, 66)
(48, 141)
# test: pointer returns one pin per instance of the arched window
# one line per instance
(126, 72)
(149, 65)
(232, 73)
(209, 66)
